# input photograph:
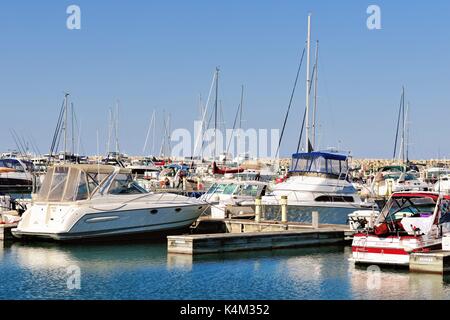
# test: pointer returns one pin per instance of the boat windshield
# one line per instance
(217, 188)
(124, 184)
(230, 189)
(63, 184)
(400, 207)
(249, 190)
(12, 164)
(318, 162)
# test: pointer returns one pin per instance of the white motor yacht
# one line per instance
(317, 181)
(15, 175)
(396, 178)
(96, 201)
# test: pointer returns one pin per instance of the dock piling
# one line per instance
(284, 202)
(258, 209)
(315, 220)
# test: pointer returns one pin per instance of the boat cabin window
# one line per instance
(68, 184)
(124, 184)
(335, 199)
(322, 163)
(249, 190)
(212, 189)
(220, 187)
(12, 164)
(401, 207)
(230, 189)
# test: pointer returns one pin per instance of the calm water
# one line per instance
(145, 271)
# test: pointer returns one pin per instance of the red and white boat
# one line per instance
(409, 222)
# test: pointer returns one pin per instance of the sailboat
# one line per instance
(400, 176)
(317, 181)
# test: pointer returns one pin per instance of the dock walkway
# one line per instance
(246, 235)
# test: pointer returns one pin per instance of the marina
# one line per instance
(224, 151)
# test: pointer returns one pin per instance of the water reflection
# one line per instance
(395, 283)
(146, 271)
(87, 257)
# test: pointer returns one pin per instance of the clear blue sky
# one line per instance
(161, 54)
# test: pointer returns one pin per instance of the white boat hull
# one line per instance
(73, 222)
(392, 250)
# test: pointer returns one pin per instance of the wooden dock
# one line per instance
(5, 232)
(241, 235)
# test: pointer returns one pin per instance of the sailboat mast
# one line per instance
(403, 127)
(316, 70)
(154, 132)
(308, 81)
(65, 124)
(407, 132)
(240, 123)
(73, 129)
(168, 136)
(117, 128)
(215, 113)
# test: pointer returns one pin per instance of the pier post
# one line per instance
(257, 209)
(284, 201)
(184, 184)
(315, 220)
(389, 188)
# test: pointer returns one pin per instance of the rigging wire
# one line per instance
(290, 101)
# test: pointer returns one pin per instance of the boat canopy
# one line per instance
(393, 169)
(319, 162)
(66, 183)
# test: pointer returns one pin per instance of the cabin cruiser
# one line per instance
(442, 185)
(234, 191)
(432, 175)
(97, 201)
(145, 173)
(391, 179)
(16, 175)
(409, 222)
(317, 181)
(234, 197)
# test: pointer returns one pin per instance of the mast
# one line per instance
(117, 129)
(148, 132)
(65, 124)
(215, 113)
(402, 145)
(73, 130)
(308, 81)
(407, 132)
(316, 70)
(168, 136)
(154, 131)
(110, 117)
(240, 122)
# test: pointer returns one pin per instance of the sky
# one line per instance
(161, 55)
